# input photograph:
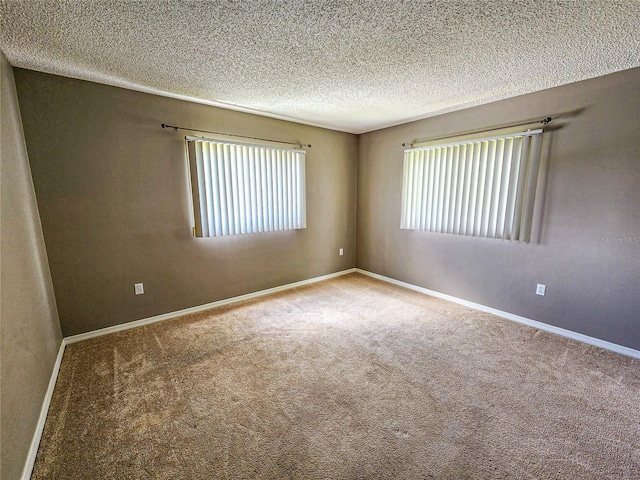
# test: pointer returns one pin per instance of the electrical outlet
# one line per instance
(342, 251)
(139, 287)
(541, 289)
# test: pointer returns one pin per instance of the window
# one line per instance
(483, 187)
(240, 188)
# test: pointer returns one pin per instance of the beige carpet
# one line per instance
(345, 379)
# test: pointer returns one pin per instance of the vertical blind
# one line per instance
(240, 188)
(483, 187)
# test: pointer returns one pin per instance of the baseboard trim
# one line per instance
(166, 316)
(44, 410)
(37, 436)
(614, 347)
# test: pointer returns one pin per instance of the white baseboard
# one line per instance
(165, 316)
(35, 442)
(37, 436)
(44, 410)
(510, 316)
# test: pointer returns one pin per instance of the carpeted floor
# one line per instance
(350, 378)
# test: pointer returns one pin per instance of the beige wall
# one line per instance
(112, 189)
(29, 329)
(589, 202)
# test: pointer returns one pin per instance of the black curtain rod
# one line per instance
(545, 121)
(164, 125)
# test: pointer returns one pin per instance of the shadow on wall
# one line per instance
(538, 234)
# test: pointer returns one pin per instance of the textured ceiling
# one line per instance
(354, 66)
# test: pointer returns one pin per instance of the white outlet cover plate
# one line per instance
(541, 289)
(139, 287)
(341, 251)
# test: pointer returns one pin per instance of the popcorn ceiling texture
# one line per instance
(353, 66)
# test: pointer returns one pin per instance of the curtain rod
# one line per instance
(545, 121)
(164, 125)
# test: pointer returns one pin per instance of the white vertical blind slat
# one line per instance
(213, 206)
(229, 189)
(480, 188)
(455, 166)
(421, 203)
(302, 212)
(246, 192)
(201, 185)
(222, 190)
(513, 186)
(501, 208)
(410, 187)
(522, 180)
(439, 189)
(447, 189)
(532, 181)
(288, 190)
(495, 188)
(291, 190)
(430, 189)
(271, 214)
(264, 219)
(462, 153)
(405, 180)
(252, 189)
(468, 163)
(473, 192)
(417, 190)
(282, 199)
(239, 176)
(280, 190)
